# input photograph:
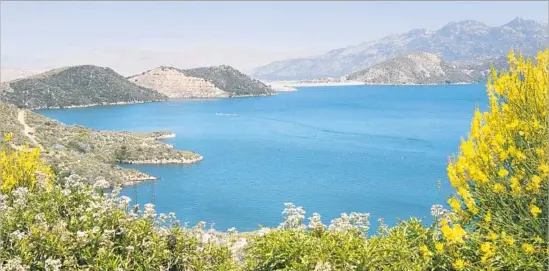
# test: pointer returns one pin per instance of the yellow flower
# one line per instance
(503, 173)
(534, 210)
(534, 184)
(453, 234)
(454, 204)
(507, 239)
(425, 251)
(498, 188)
(543, 168)
(488, 217)
(8, 137)
(528, 248)
(492, 236)
(486, 248)
(520, 155)
(515, 186)
(439, 247)
(459, 264)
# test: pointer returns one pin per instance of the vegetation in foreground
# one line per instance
(498, 217)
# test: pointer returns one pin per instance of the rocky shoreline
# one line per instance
(164, 161)
(93, 105)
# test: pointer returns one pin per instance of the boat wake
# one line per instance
(225, 114)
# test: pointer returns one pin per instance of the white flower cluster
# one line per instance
(323, 267)
(353, 221)
(74, 181)
(14, 264)
(53, 265)
(293, 216)
(149, 212)
(20, 195)
(18, 234)
(315, 222)
(101, 183)
(438, 211)
(263, 231)
(3, 204)
(238, 249)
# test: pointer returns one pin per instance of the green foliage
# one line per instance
(121, 154)
(75, 86)
(83, 230)
(230, 80)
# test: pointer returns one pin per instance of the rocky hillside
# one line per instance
(90, 153)
(75, 86)
(418, 68)
(457, 41)
(231, 81)
(175, 84)
(480, 70)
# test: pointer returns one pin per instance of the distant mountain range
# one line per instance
(418, 68)
(456, 42)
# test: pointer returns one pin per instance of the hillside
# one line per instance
(230, 80)
(175, 84)
(75, 86)
(457, 41)
(87, 152)
(480, 70)
(417, 68)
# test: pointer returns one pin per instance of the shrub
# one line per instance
(500, 174)
(22, 168)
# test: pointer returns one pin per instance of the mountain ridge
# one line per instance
(456, 41)
(417, 68)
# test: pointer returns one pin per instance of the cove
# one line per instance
(376, 149)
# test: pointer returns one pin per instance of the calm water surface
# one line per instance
(376, 149)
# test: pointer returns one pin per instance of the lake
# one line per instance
(375, 149)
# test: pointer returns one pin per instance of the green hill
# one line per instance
(231, 80)
(75, 87)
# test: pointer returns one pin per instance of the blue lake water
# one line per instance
(376, 149)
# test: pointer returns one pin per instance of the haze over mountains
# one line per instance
(457, 41)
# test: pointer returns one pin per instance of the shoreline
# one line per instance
(144, 102)
(297, 84)
(149, 178)
(183, 161)
(94, 105)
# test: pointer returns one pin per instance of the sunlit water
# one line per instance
(376, 149)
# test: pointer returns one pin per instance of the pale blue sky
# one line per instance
(132, 36)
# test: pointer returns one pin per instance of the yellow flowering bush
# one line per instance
(22, 168)
(500, 173)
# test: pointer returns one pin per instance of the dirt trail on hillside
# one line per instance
(29, 131)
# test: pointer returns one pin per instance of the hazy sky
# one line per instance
(134, 36)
